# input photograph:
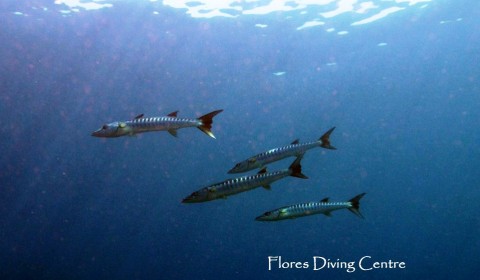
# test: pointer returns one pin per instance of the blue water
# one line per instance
(407, 133)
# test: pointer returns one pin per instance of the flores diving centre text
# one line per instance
(365, 263)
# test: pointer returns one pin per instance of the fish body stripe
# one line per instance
(287, 151)
(245, 183)
(238, 185)
(161, 123)
(310, 208)
(284, 152)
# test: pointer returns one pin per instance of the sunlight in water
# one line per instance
(314, 13)
(87, 5)
(327, 8)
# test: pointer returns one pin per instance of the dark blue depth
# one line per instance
(407, 133)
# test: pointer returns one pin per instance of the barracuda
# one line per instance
(245, 183)
(294, 149)
(312, 208)
(168, 123)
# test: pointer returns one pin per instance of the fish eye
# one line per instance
(104, 127)
(268, 213)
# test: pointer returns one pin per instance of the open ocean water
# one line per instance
(400, 81)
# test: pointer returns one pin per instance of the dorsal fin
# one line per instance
(324, 200)
(262, 171)
(173, 114)
(138, 117)
(296, 141)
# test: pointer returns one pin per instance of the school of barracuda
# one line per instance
(171, 123)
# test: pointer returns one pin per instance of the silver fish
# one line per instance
(168, 123)
(294, 149)
(312, 208)
(245, 183)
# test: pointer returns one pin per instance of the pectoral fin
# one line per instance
(173, 132)
(267, 187)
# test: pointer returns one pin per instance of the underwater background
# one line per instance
(398, 79)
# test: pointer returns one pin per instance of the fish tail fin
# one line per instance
(296, 168)
(206, 122)
(355, 208)
(325, 140)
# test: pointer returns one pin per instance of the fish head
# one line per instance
(198, 196)
(245, 166)
(114, 129)
(269, 216)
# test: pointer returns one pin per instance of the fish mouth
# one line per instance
(96, 133)
(259, 218)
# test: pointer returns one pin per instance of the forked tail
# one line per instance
(325, 140)
(356, 205)
(207, 121)
(296, 169)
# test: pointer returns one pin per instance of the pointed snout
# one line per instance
(189, 199)
(260, 218)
